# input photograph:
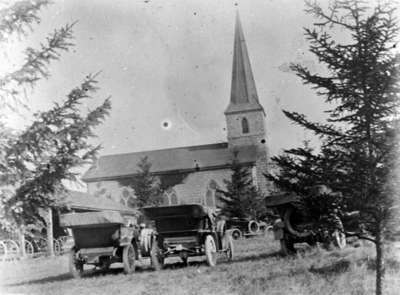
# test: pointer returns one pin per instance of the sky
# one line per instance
(171, 61)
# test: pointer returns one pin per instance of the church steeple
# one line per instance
(245, 116)
(243, 89)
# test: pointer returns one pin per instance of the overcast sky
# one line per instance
(171, 61)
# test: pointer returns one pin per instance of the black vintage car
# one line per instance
(246, 227)
(186, 231)
(293, 226)
(100, 239)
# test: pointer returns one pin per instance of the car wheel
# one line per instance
(75, 265)
(157, 260)
(210, 251)
(287, 219)
(228, 246)
(253, 227)
(236, 234)
(128, 259)
(287, 246)
(339, 239)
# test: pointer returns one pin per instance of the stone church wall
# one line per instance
(111, 189)
(197, 187)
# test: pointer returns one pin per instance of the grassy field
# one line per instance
(256, 269)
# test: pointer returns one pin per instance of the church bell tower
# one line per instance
(245, 116)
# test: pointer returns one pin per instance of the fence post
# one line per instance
(21, 237)
(50, 246)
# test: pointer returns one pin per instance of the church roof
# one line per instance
(181, 159)
(243, 88)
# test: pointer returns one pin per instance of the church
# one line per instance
(192, 174)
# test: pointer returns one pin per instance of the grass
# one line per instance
(257, 269)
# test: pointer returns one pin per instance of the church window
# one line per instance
(245, 126)
(170, 198)
(210, 198)
(174, 199)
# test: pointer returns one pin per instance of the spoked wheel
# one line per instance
(157, 259)
(128, 259)
(75, 265)
(228, 246)
(339, 239)
(287, 246)
(211, 251)
(236, 234)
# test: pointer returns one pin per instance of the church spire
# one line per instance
(243, 90)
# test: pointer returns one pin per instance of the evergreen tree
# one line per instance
(36, 162)
(241, 198)
(146, 186)
(359, 143)
(41, 157)
(18, 19)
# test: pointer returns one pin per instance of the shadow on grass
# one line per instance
(58, 278)
(116, 271)
(256, 257)
(334, 268)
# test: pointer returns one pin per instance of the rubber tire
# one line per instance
(339, 239)
(75, 267)
(156, 260)
(286, 220)
(129, 259)
(221, 228)
(236, 234)
(253, 227)
(228, 247)
(210, 250)
(287, 246)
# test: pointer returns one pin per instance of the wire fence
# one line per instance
(10, 249)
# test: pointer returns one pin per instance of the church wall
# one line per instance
(192, 189)
(196, 186)
(111, 189)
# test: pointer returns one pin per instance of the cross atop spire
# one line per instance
(243, 90)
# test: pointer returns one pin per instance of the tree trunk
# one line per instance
(50, 246)
(380, 269)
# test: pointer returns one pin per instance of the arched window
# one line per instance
(170, 197)
(245, 126)
(174, 199)
(209, 199)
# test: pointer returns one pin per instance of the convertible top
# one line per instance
(88, 219)
(280, 199)
(189, 210)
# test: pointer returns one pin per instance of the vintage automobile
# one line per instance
(100, 239)
(186, 231)
(293, 226)
(244, 227)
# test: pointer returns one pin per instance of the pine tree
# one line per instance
(40, 158)
(361, 84)
(146, 186)
(241, 198)
(18, 19)
(36, 162)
